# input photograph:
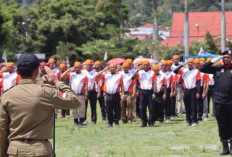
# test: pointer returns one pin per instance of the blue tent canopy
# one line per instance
(202, 55)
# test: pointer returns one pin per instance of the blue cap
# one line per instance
(28, 61)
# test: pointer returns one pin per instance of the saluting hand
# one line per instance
(50, 77)
(72, 69)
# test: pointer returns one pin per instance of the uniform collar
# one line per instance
(228, 65)
(27, 81)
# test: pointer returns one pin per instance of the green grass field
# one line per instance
(164, 140)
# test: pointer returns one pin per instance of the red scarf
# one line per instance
(227, 65)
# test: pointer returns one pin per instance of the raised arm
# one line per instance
(66, 72)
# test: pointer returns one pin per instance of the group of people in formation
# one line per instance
(125, 92)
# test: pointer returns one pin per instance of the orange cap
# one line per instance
(51, 60)
(164, 62)
(146, 62)
(175, 57)
(130, 61)
(113, 64)
(190, 60)
(140, 62)
(97, 63)
(77, 64)
(155, 67)
(197, 60)
(125, 64)
(169, 62)
(62, 65)
(209, 59)
(10, 64)
(88, 61)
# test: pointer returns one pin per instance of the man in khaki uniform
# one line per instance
(27, 111)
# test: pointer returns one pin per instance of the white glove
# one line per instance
(215, 60)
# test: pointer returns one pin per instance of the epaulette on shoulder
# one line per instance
(9, 89)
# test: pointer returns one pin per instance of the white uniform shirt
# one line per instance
(9, 80)
(146, 79)
(161, 80)
(77, 82)
(112, 82)
(190, 77)
(211, 82)
(91, 75)
(127, 80)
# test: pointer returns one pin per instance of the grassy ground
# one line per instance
(164, 140)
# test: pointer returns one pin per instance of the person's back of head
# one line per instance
(27, 63)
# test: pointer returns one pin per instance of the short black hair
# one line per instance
(26, 72)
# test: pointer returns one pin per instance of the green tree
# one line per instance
(209, 44)
(9, 14)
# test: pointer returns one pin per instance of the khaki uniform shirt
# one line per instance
(26, 111)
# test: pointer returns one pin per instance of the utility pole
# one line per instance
(223, 27)
(186, 30)
(155, 28)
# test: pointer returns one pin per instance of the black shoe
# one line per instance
(143, 125)
(76, 121)
(109, 125)
(225, 150)
(230, 147)
(151, 125)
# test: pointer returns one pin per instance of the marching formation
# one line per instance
(127, 90)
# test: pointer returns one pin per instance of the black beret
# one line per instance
(227, 52)
(28, 61)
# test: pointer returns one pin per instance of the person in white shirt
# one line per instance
(9, 78)
(191, 83)
(147, 82)
(78, 82)
(178, 94)
(113, 86)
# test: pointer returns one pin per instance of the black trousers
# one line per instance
(209, 96)
(65, 112)
(158, 109)
(200, 106)
(146, 101)
(113, 108)
(101, 101)
(92, 97)
(224, 120)
(167, 104)
(190, 103)
(138, 107)
(173, 106)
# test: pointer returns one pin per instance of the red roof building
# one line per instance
(199, 24)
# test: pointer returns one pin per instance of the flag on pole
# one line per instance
(67, 62)
(105, 56)
(4, 57)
